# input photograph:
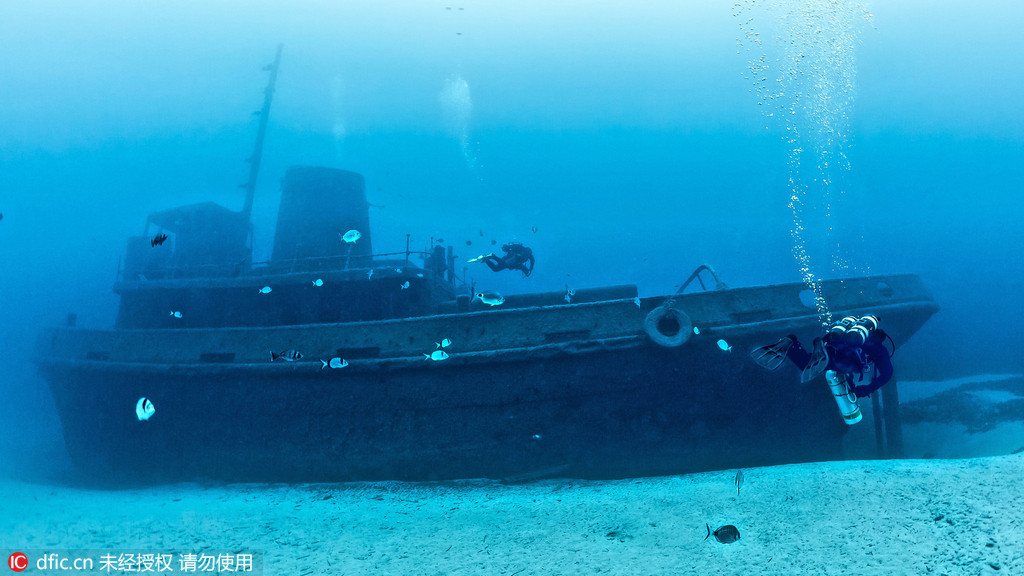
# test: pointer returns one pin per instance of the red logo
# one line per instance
(17, 562)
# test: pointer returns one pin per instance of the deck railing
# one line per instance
(157, 270)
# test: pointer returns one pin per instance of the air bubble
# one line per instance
(816, 38)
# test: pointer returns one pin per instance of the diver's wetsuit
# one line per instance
(516, 257)
(850, 359)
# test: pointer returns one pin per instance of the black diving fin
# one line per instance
(773, 355)
(817, 364)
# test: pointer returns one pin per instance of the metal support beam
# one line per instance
(893, 423)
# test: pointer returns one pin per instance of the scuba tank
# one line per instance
(848, 335)
(854, 330)
(862, 328)
(844, 396)
(841, 327)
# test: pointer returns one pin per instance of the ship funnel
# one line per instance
(318, 206)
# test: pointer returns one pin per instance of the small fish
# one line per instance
(333, 363)
(266, 290)
(696, 330)
(405, 285)
(436, 355)
(287, 356)
(534, 229)
(398, 270)
(369, 274)
(443, 343)
(636, 301)
(351, 236)
(318, 282)
(724, 346)
(491, 298)
(440, 240)
(144, 409)
(469, 242)
(739, 481)
(726, 534)
(158, 240)
(176, 313)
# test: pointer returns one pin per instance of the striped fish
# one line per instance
(287, 356)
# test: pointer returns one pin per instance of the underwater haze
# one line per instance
(625, 142)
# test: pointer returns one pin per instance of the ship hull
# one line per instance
(602, 402)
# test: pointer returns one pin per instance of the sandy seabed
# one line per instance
(857, 517)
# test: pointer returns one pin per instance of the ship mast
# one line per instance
(257, 153)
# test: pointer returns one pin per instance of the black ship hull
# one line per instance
(575, 390)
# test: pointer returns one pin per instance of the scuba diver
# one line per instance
(516, 257)
(852, 353)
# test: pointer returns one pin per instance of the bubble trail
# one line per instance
(458, 110)
(808, 91)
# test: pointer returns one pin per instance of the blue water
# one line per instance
(629, 137)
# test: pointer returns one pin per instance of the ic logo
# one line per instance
(17, 562)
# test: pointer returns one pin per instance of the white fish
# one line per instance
(369, 274)
(491, 298)
(398, 270)
(144, 409)
(405, 285)
(333, 363)
(696, 330)
(636, 301)
(569, 294)
(351, 236)
(266, 290)
(724, 346)
(176, 313)
(436, 355)
(318, 282)
(444, 343)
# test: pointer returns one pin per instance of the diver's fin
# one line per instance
(478, 258)
(817, 364)
(773, 355)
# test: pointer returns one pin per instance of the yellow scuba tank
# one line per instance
(844, 396)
